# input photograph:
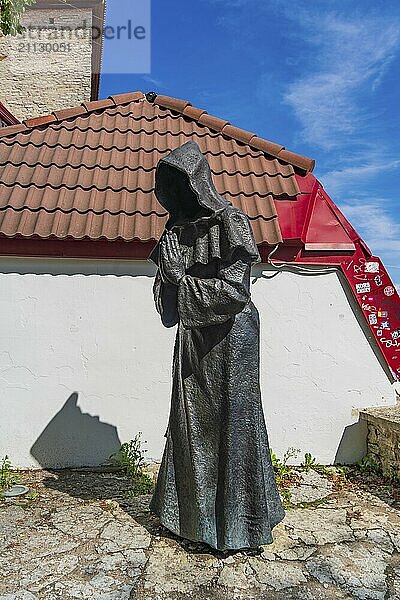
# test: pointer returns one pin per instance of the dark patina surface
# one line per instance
(216, 482)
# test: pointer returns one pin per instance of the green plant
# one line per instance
(342, 470)
(7, 475)
(32, 495)
(322, 469)
(281, 469)
(367, 465)
(142, 485)
(286, 496)
(11, 12)
(277, 464)
(130, 457)
(308, 462)
(290, 453)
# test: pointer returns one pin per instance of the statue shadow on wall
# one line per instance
(83, 442)
(74, 438)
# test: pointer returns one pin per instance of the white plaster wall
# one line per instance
(85, 362)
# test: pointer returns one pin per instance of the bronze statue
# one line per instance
(216, 482)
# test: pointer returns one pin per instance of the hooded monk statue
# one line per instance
(216, 482)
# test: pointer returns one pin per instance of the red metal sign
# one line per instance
(316, 232)
(379, 302)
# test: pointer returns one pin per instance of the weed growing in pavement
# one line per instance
(7, 476)
(288, 475)
(368, 466)
(285, 476)
(130, 458)
(308, 462)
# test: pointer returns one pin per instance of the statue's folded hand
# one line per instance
(172, 264)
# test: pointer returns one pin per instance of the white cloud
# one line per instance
(153, 81)
(340, 52)
(341, 178)
(335, 99)
(349, 57)
(379, 229)
(374, 221)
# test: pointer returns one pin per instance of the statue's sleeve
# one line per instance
(203, 302)
(165, 299)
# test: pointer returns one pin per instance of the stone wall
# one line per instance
(383, 438)
(45, 69)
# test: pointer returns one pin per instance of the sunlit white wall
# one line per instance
(85, 362)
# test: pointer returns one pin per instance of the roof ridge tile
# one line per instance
(265, 146)
(193, 113)
(98, 105)
(171, 103)
(68, 113)
(214, 123)
(37, 121)
(181, 106)
(119, 99)
(302, 162)
(241, 135)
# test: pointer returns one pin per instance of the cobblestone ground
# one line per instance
(83, 537)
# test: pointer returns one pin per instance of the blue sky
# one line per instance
(322, 78)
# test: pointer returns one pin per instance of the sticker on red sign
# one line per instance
(371, 267)
(362, 288)
(389, 290)
(380, 303)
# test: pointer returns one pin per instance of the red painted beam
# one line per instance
(70, 248)
(6, 116)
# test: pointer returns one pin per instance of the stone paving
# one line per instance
(83, 537)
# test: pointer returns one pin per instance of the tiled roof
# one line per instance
(88, 172)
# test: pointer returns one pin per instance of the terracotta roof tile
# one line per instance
(97, 105)
(302, 162)
(11, 129)
(37, 121)
(88, 172)
(241, 135)
(68, 113)
(266, 146)
(194, 113)
(75, 225)
(125, 98)
(298, 161)
(171, 103)
(212, 122)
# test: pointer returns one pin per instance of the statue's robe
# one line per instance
(216, 482)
